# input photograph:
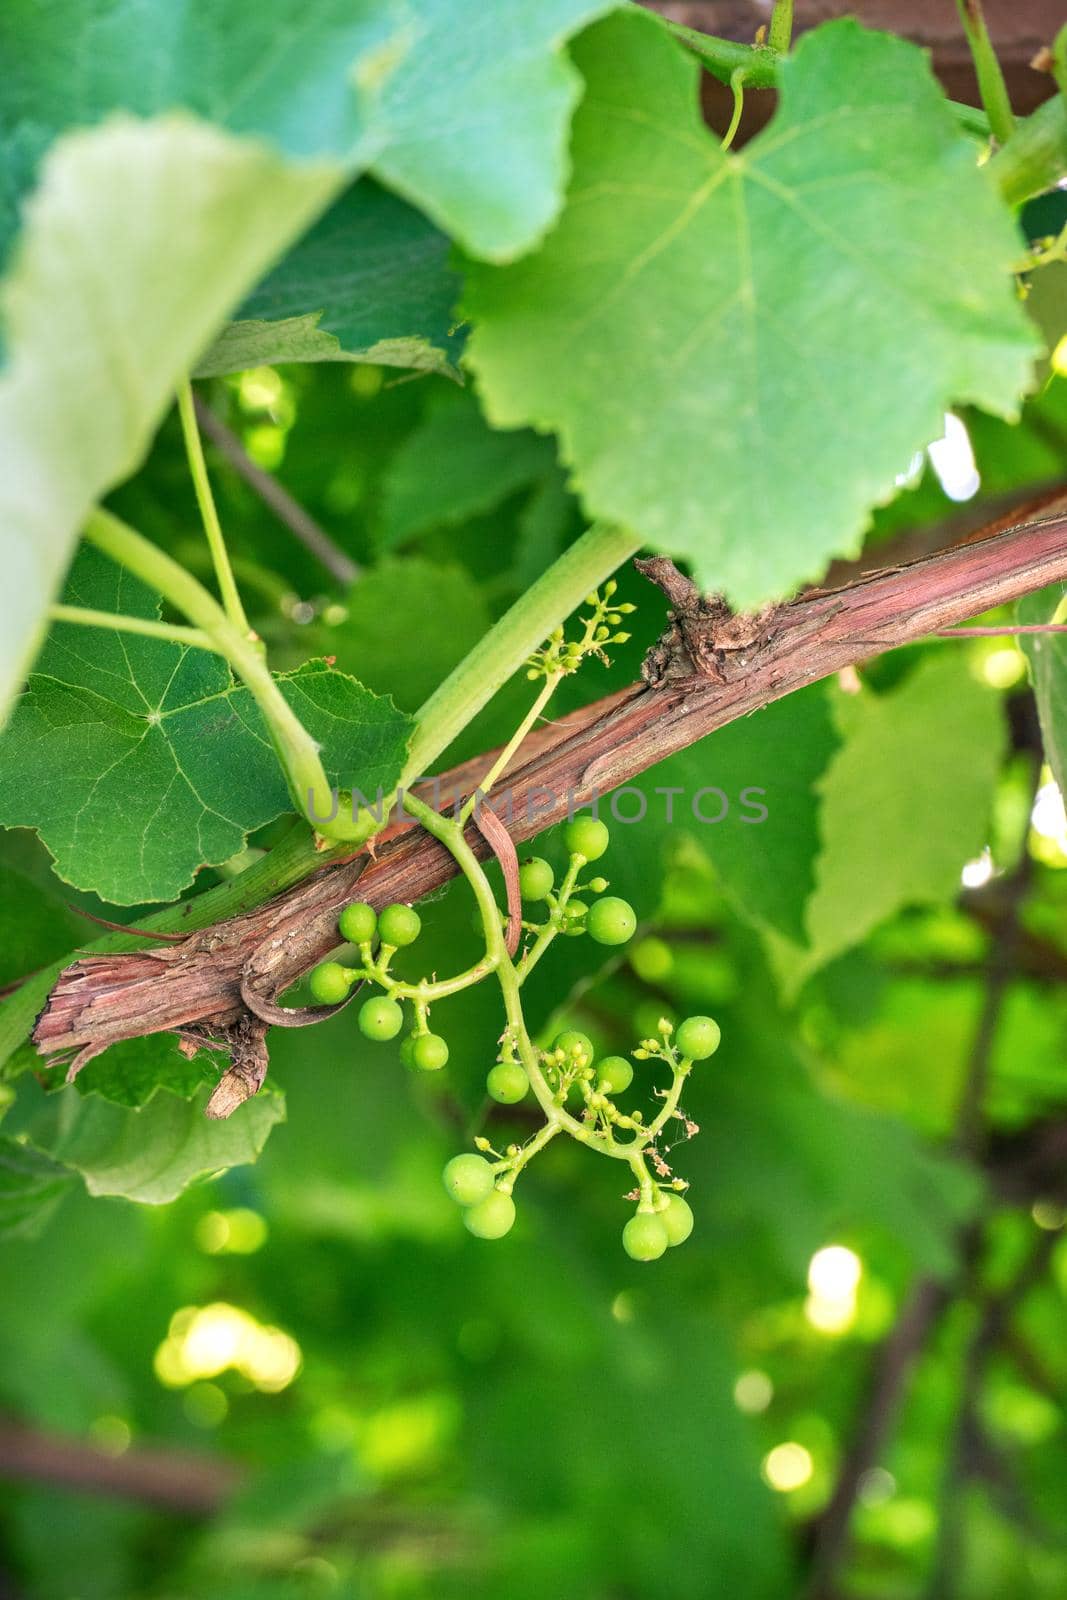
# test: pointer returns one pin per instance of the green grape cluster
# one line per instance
(573, 1072)
(576, 1092)
(559, 656)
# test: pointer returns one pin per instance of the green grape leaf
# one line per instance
(741, 352)
(455, 467)
(1047, 655)
(105, 308)
(130, 1072)
(138, 761)
(401, 599)
(31, 1186)
(152, 1152)
(475, 113)
(300, 74)
(904, 803)
(371, 281)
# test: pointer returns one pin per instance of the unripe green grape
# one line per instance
(358, 923)
(574, 923)
(380, 1018)
(429, 1052)
(507, 1083)
(399, 925)
(645, 1236)
(677, 1218)
(586, 836)
(615, 1074)
(598, 885)
(611, 920)
(698, 1038)
(577, 1047)
(330, 982)
(492, 1217)
(535, 879)
(468, 1179)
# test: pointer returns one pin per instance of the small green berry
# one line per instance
(698, 1038)
(358, 923)
(615, 1074)
(598, 885)
(586, 836)
(429, 1052)
(330, 983)
(492, 1217)
(611, 921)
(507, 1083)
(399, 925)
(574, 923)
(645, 1236)
(380, 1018)
(468, 1179)
(677, 1218)
(577, 1047)
(535, 879)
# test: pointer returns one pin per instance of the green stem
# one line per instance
(425, 993)
(1035, 157)
(552, 927)
(147, 626)
(297, 751)
(502, 760)
(450, 834)
(724, 57)
(991, 85)
(590, 560)
(737, 85)
(231, 600)
(780, 32)
(513, 1165)
(760, 65)
(670, 1101)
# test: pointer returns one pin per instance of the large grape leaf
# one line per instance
(474, 117)
(905, 802)
(152, 1152)
(299, 73)
(138, 761)
(741, 352)
(371, 281)
(1047, 655)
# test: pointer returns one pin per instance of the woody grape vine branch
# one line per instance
(105, 997)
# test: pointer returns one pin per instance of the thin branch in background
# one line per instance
(288, 511)
(966, 1452)
(874, 1428)
(173, 1480)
